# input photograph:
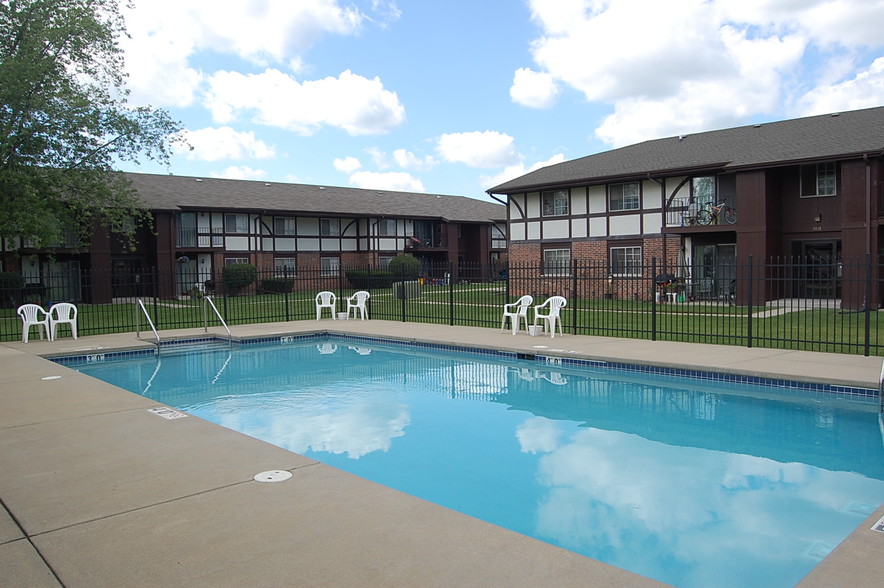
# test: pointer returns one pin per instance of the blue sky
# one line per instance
(455, 97)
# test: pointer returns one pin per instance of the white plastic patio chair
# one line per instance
(327, 300)
(62, 313)
(356, 302)
(516, 311)
(34, 315)
(553, 306)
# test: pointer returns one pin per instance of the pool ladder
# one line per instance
(881, 402)
(207, 302)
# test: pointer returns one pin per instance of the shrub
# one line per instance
(405, 267)
(11, 285)
(369, 279)
(277, 285)
(238, 276)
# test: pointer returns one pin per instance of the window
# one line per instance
(703, 191)
(236, 223)
(623, 197)
(330, 227)
(555, 203)
(186, 229)
(386, 227)
(384, 261)
(818, 180)
(626, 261)
(498, 237)
(235, 260)
(285, 266)
(329, 266)
(556, 262)
(284, 226)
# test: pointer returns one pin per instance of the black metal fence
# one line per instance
(817, 305)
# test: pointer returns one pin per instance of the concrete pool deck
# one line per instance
(98, 491)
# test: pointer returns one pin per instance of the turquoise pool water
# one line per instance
(691, 482)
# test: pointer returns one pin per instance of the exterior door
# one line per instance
(820, 269)
(714, 271)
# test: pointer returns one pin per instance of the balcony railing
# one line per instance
(684, 213)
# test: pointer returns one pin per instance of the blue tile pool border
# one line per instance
(547, 361)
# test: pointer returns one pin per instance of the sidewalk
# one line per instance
(97, 491)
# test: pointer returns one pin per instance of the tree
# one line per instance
(65, 123)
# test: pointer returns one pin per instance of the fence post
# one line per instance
(285, 290)
(574, 314)
(750, 288)
(868, 305)
(402, 290)
(340, 285)
(451, 293)
(155, 276)
(654, 298)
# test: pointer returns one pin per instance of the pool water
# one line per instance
(691, 482)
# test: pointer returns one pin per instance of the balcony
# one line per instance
(682, 213)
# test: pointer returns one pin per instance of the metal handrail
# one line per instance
(149, 321)
(881, 393)
(208, 299)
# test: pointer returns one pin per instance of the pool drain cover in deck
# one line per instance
(273, 476)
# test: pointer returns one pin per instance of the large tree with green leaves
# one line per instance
(64, 120)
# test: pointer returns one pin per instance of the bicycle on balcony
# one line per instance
(713, 215)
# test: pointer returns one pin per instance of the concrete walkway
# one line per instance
(98, 491)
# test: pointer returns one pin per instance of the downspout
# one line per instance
(867, 302)
(868, 203)
(515, 202)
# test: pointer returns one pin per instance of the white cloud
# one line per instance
(514, 171)
(863, 91)
(358, 105)
(240, 172)
(401, 181)
(348, 164)
(533, 89)
(478, 148)
(408, 160)
(166, 35)
(687, 65)
(212, 144)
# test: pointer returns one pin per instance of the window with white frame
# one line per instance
(285, 266)
(384, 261)
(329, 266)
(386, 227)
(236, 223)
(498, 236)
(556, 262)
(284, 226)
(235, 260)
(626, 261)
(330, 227)
(623, 197)
(703, 191)
(818, 180)
(554, 203)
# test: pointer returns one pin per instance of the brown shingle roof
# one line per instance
(161, 192)
(822, 137)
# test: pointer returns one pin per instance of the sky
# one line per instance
(458, 96)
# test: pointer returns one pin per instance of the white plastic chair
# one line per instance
(326, 300)
(554, 305)
(356, 302)
(34, 315)
(62, 313)
(516, 311)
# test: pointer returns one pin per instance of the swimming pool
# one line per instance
(691, 482)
